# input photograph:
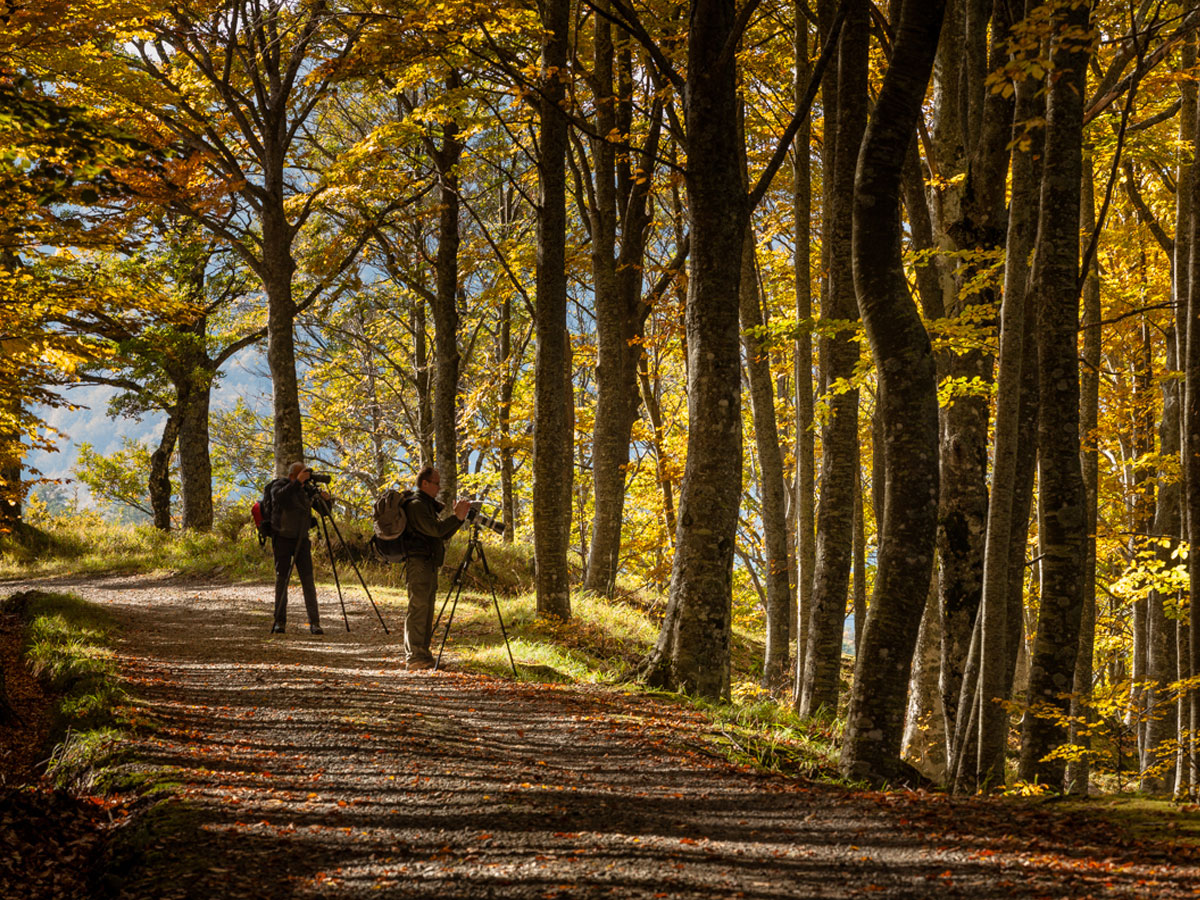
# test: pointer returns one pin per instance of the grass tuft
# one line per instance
(66, 645)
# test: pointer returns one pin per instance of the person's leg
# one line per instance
(417, 623)
(282, 548)
(304, 567)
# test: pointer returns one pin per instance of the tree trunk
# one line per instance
(697, 646)
(973, 145)
(839, 437)
(806, 501)
(772, 493)
(1185, 200)
(1004, 505)
(924, 744)
(1162, 723)
(1082, 711)
(159, 481)
(654, 411)
(278, 268)
(423, 380)
(508, 500)
(1063, 500)
(620, 204)
(445, 308)
(908, 407)
(195, 463)
(552, 444)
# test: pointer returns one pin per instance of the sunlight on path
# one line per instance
(313, 766)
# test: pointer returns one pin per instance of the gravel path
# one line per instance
(316, 766)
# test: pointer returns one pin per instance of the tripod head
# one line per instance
(479, 520)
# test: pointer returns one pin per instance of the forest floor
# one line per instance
(306, 766)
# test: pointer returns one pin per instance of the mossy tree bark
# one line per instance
(552, 443)
(1063, 500)
(908, 406)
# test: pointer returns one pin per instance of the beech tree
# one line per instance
(1055, 281)
(908, 405)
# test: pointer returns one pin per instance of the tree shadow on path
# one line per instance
(311, 766)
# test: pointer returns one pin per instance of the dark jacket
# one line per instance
(426, 532)
(291, 511)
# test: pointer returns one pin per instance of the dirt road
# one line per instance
(316, 766)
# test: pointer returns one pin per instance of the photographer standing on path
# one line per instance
(426, 554)
(291, 518)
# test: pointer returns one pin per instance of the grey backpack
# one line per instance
(390, 519)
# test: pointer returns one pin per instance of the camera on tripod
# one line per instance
(476, 516)
(320, 504)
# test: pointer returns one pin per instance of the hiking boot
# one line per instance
(419, 662)
(278, 628)
(316, 629)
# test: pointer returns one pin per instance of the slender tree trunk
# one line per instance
(1063, 500)
(160, 474)
(1082, 711)
(620, 200)
(654, 411)
(859, 579)
(772, 493)
(974, 141)
(839, 437)
(1162, 722)
(445, 308)
(908, 407)
(424, 383)
(277, 270)
(806, 502)
(1180, 289)
(616, 404)
(552, 444)
(508, 500)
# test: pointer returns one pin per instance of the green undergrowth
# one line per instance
(1140, 818)
(67, 646)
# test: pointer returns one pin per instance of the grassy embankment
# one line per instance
(67, 646)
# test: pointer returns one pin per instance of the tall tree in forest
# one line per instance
(805, 489)
(845, 106)
(692, 653)
(908, 406)
(770, 461)
(618, 217)
(969, 141)
(1055, 282)
(552, 439)
(1008, 507)
(236, 84)
(445, 306)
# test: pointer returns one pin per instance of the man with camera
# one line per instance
(291, 518)
(427, 551)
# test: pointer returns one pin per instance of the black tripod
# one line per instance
(474, 547)
(323, 509)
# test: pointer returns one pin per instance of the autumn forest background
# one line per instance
(755, 315)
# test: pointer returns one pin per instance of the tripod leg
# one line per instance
(354, 566)
(454, 582)
(450, 619)
(496, 603)
(333, 565)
